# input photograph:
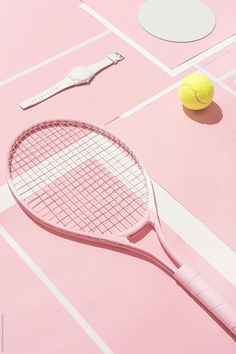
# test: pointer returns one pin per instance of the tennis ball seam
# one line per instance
(197, 98)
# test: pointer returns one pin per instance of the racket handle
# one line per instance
(208, 296)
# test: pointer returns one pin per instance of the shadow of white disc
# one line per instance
(177, 20)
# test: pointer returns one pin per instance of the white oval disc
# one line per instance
(177, 20)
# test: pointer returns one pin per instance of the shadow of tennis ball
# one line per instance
(209, 115)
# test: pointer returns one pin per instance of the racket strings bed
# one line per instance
(65, 184)
(74, 177)
(21, 156)
(38, 147)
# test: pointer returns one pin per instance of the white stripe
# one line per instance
(171, 88)
(171, 72)
(42, 174)
(40, 171)
(213, 78)
(196, 234)
(227, 88)
(6, 198)
(97, 146)
(55, 292)
(149, 101)
(226, 75)
(187, 226)
(127, 39)
(54, 58)
(204, 55)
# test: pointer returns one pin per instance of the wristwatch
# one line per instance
(77, 76)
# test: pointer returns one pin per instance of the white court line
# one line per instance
(172, 88)
(188, 227)
(54, 58)
(171, 72)
(127, 39)
(149, 101)
(226, 75)
(196, 234)
(6, 198)
(216, 80)
(55, 292)
(204, 55)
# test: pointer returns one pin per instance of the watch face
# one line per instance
(81, 73)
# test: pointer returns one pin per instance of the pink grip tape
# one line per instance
(208, 296)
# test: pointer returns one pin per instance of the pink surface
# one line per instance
(32, 31)
(194, 161)
(132, 305)
(123, 14)
(99, 102)
(222, 62)
(98, 282)
(231, 82)
(31, 313)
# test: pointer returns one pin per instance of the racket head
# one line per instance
(50, 150)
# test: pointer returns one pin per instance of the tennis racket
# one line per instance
(79, 180)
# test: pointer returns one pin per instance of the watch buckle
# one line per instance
(116, 57)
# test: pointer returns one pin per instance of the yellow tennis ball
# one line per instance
(196, 91)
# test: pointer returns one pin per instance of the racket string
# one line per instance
(50, 138)
(42, 201)
(52, 201)
(104, 190)
(51, 157)
(125, 166)
(46, 164)
(105, 207)
(132, 176)
(87, 208)
(111, 185)
(52, 170)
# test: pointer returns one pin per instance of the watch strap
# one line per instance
(73, 79)
(100, 65)
(51, 91)
(104, 63)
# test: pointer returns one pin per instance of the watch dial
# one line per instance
(80, 73)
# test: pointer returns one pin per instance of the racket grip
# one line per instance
(208, 296)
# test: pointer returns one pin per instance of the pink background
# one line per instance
(32, 31)
(222, 62)
(191, 154)
(134, 306)
(100, 102)
(33, 320)
(129, 302)
(123, 14)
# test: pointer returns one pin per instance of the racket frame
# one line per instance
(191, 280)
(115, 238)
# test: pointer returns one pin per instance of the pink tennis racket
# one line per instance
(77, 179)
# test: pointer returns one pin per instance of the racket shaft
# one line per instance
(208, 296)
